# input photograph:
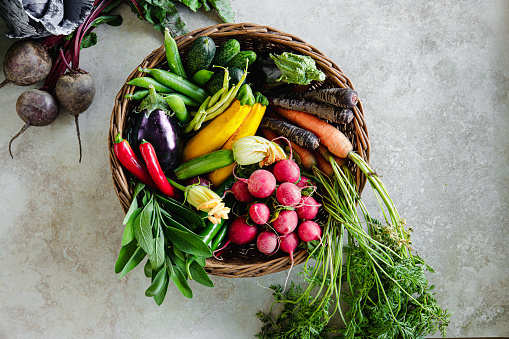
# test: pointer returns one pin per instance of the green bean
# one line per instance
(173, 56)
(215, 97)
(146, 81)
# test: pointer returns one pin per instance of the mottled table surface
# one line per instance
(433, 79)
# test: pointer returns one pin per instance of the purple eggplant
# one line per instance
(155, 123)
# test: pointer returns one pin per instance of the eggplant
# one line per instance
(156, 123)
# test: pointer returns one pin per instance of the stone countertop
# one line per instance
(433, 79)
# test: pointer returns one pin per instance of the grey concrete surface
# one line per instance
(434, 80)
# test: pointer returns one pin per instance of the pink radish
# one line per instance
(267, 242)
(241, 193)
(261, 183)
(288, 194)
(239, 233)
(259, 213)
(289, 243)
(286, 171)
(307, 208)
(305, 182)
(286, 222)
(309, 231)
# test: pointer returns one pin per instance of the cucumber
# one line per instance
(216, 82)
(200, 55)
(201, 77)
(204, 164)
(226, 51)
(239, 60)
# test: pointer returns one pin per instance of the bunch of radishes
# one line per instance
(280, 210)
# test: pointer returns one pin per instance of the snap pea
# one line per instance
(173, 56)
(138, 95)
(179, 107)
(177, 83)
(187, 100)
(146, 81)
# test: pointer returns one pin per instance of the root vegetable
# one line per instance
(75, 92)
(261, 183)
(259, 213)
(286, 171)
(35, 108)
(286, 222)
(26, 63)
(309, 231)
(308, 208)
(239, 233)
(241, 192)
(304, 182)
(288, 194)
(289, 243)
(267, 242)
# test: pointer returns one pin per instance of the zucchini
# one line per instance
(216, 81)
(239, 60)
(204, 164)
(200, 55)
(226, 51)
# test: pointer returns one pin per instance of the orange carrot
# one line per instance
(326, 154)
(307, 158)
(269, 135)
(337, 143)
(323, 164)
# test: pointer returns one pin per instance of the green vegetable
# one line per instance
(177, 83)
(297, 69)
(187, 100)
(144, 82)
(245, 95)
(201, 77)
(204, 164)
(178, 106)
(138, 95)
(226, 51)
(200, 55)
(173, 56)
(239, 60)
(216, 81)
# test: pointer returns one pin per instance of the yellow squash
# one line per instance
(215, 134)
(247, 128)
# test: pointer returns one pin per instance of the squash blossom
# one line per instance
(204, 199)
(253, 149)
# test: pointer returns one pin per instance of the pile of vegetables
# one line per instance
(58, 31)
(236, 151)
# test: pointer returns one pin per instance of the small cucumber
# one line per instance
(226, 51)
(201, 77)
(200, 55)
(216, 82)
(239, 60)
(204, 164)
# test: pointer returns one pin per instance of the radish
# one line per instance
(261, 183)
(239, 233)
(309, 231)
(35, 108)
(26, 63)
(286, 171)
(75, 91)
(305, 182)
(289, 243)
(259, 213)
(288, 194)
(267, 242)
(241, 192)
(286, 221)
(307, 208)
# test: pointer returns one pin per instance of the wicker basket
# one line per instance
(244, 262)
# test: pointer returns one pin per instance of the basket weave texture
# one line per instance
(247, 262)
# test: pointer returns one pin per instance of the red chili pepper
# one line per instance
(154, 168)
(126, 156)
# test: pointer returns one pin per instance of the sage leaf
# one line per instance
(137, 257)
(159, 298)
(180, 281)
(143, 229)
(157, 284)
(188, 243)
(199, 274)
(159, 252)
(133, 207)
(128, 235)
(126, 252)
(148, 269)
(174, 207)
(179, 253)
(181, 263)
(200, 260)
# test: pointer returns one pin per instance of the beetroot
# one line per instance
(261, 183)
(286, 221)
(267, 242)
(309, 231)
(241, 192)
(288, 194)
(286, 171)
(35, 108)
(26, 63)
(259, 213)
(307, 208)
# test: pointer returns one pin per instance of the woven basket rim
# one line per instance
(235, 267)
